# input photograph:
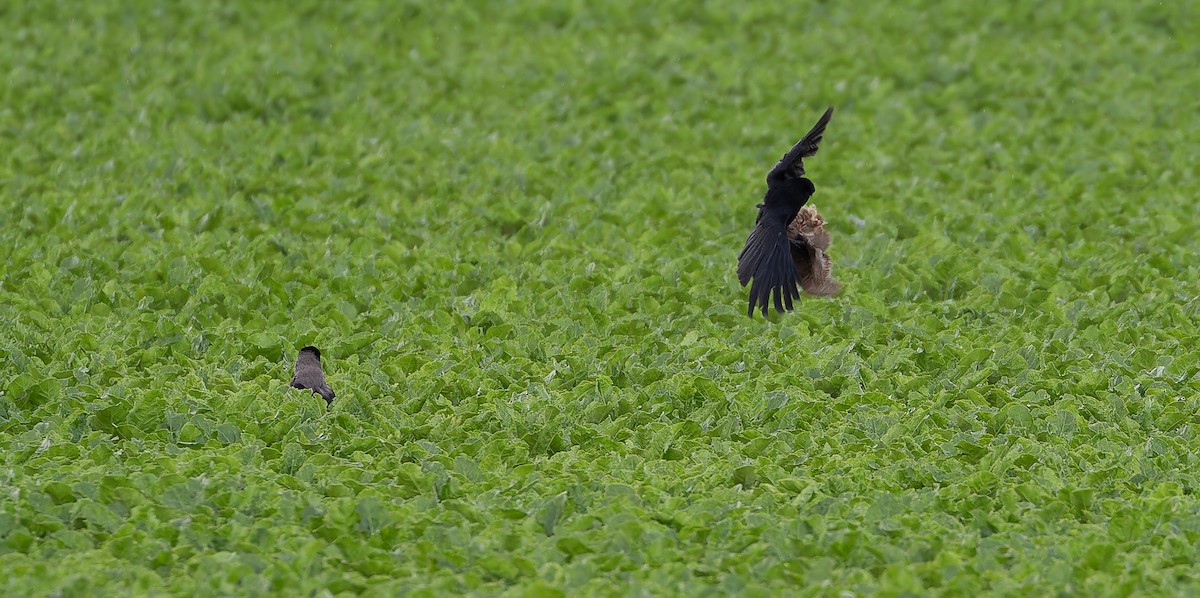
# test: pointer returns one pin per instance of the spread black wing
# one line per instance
(767, 258)
(792, 164)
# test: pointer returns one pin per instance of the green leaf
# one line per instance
(551, 512)
(573, 546)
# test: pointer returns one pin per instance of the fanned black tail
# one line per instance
(767, 258)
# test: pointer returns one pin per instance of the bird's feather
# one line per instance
(809, 241)
(791, 166)
(767, 260)
(778, 262)
(310, 376)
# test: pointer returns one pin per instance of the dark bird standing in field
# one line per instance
(781, 257)
(309, 374)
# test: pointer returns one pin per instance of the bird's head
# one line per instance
(313, 350)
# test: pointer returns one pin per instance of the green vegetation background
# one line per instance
(512, 228)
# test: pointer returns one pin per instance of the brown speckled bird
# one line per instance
(810, 240)
(309, 375)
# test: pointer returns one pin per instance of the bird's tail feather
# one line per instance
(326, 393)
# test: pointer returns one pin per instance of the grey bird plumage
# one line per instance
(309, 375)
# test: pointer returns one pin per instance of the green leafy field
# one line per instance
(512, 229)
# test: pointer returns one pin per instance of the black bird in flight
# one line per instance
(309, 374)
(767, 257)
